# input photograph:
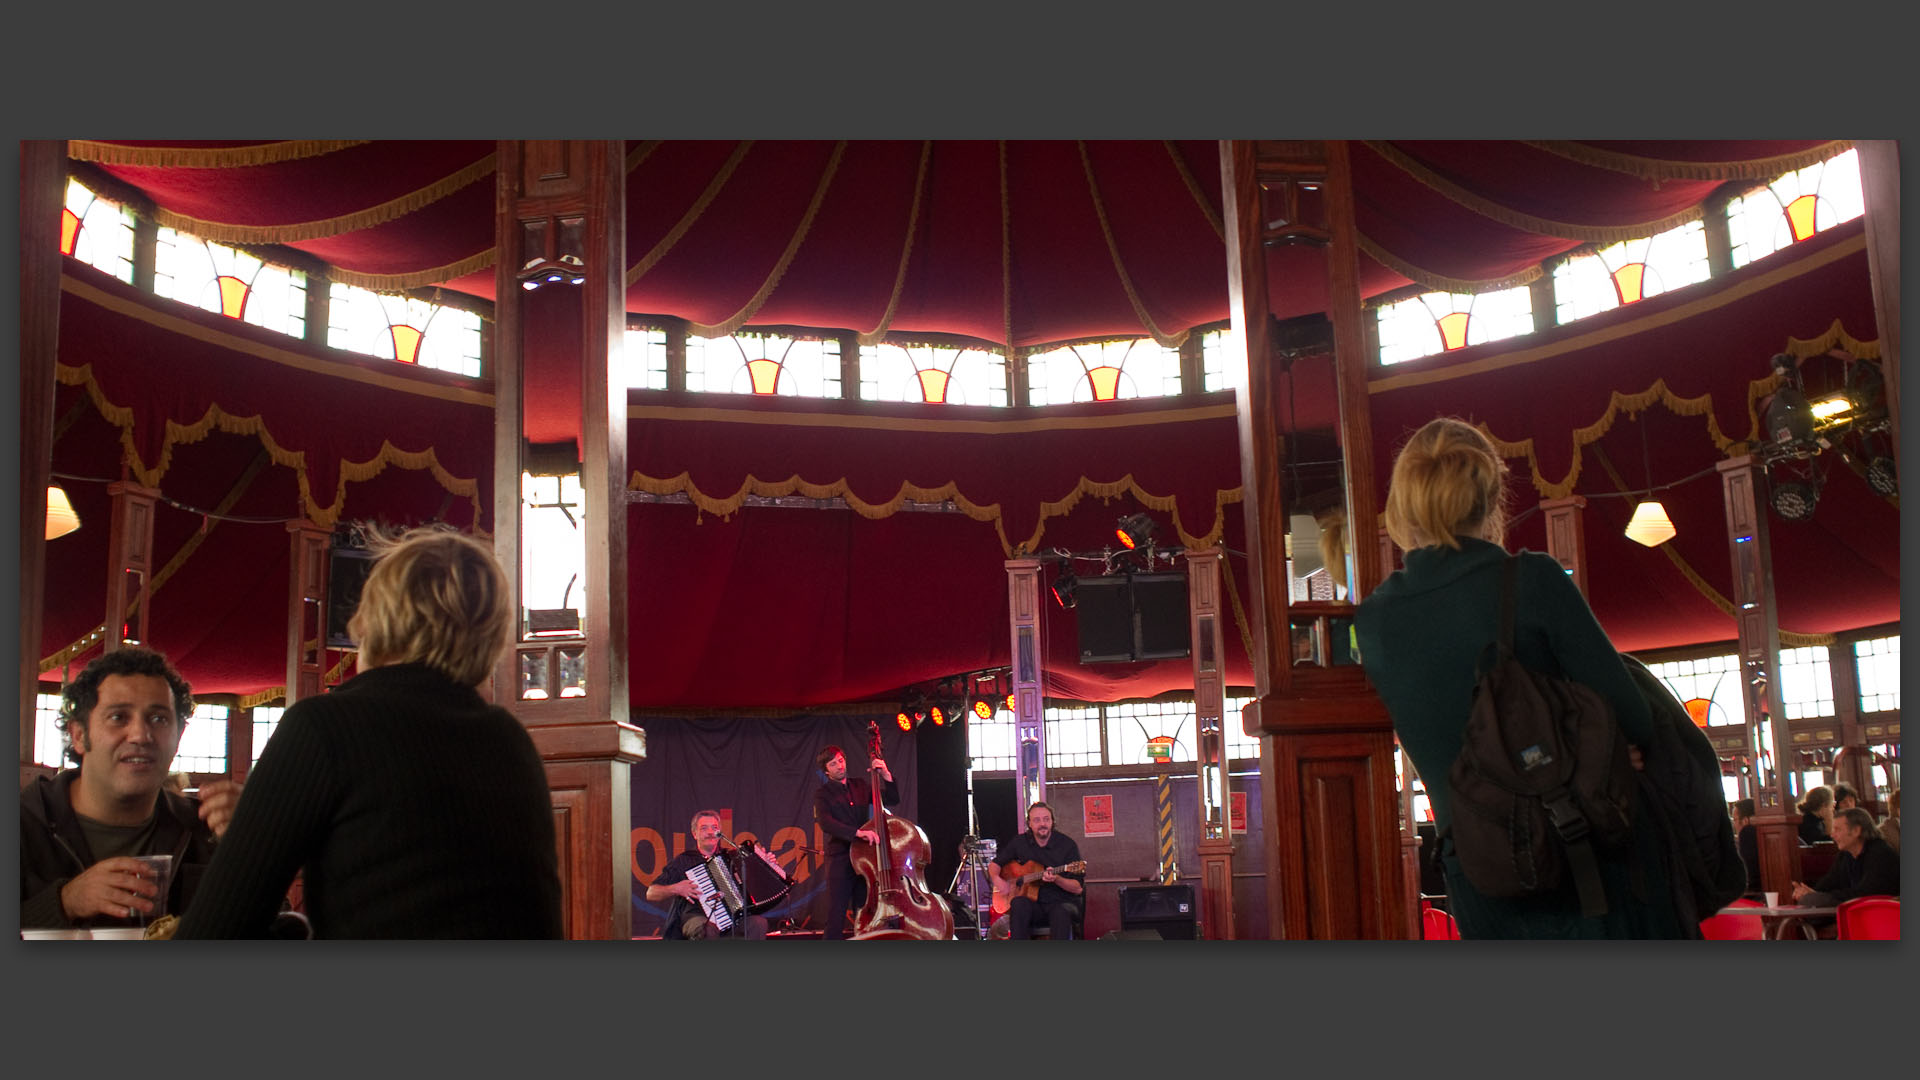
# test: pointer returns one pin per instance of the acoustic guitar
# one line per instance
(1026, 881)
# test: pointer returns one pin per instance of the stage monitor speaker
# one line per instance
(347, 570)
(1168, 909)
(1103, 616)
(1160, 615)
(1132, 935)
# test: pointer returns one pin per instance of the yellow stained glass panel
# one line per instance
(1106, 383)
(933, 386)
(1800, 217)
(406, 343)
(1453, 330)
(69, 231)
(765, 375)
(1631, 280)
(233, 296)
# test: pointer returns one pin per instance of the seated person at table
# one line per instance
(1058, 900)
(1866, 866)
(1748, 839)
(1890, 825)
(1816, 809)
(409, 806)
(122, 718)
(686, 919)
(1844, 797)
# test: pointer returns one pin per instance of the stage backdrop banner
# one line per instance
(759, 774)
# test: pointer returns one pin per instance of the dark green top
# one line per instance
(1421, 636)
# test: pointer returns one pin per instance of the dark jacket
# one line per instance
(843, 809)
(1421, 635)
(53, 850)
(1812, 829)
(1749, 841)
(1875, 872)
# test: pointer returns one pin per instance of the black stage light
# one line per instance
(1794, 501)
(1134, 530)
(1063, 586)
(1882, 477)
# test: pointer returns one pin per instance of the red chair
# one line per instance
(1437, 925)
(1717, 927)
(1870, 918)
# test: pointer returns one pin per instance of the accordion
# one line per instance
(720, 895)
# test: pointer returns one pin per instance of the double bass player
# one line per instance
(841, 808)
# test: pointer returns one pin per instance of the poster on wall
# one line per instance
(1236, 812)
(1096, 813)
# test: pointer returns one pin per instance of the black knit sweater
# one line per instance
(416, 809)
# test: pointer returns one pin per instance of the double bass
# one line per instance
(899, 905)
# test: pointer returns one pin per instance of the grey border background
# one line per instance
(986, 70)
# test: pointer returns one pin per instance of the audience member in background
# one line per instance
(1816, 810)
(1748, 839)
(121, 718)
(1844, 798)
(1866, 866)
(1421, 635)
(410, 806)
(1890, 825)
(686, 919)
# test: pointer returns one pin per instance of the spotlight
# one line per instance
(1794, 501)
(1134, 530)
(902, 721)
(938, 715)
(1650, 525)
(1063, 586)
(1008, 704)
(983, 708)
(1882, 478)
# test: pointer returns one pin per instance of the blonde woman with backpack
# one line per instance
(1422, 636)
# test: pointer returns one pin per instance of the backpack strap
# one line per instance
(1571, 824)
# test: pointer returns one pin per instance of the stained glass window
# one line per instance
(1239, 743)
(644, 353)
(1877, 663)
(97, 231)
(1103, 371)
(1806, 682)
(1215, 373)
(203, 742)
(266, 720)
(1131, 725)
(404, 329)
(1073, 736)
(933, 373)
(766, 365)
(1629, 271)
(1795, 207)
(1439, 322)
(48, 746)
(990, 742)
(230, 282)
(1708, 685)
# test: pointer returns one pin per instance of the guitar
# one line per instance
(1026, 881)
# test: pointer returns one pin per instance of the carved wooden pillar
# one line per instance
(1742, 484)
(1207, 614)
(1333, 829)
(129, 564)
(561, 213)
(1029, 726)
(1567, 537)
(43, 170)
(1853, 764)
(306, 610)
(1880, 186)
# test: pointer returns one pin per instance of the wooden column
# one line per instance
(43, 171)
(1333, 830)
(1853, 763)
(1029, 727)
(129, 563)
(561, 208)
(1567, 537)
(1880, 185)
(1743, 486)
(306, 609)
(1207, 615)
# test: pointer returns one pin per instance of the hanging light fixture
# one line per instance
(61, 519)
(1650, 524)
(1134, 530)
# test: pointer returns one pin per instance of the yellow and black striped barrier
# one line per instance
(1163, 805)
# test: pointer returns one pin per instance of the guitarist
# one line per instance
(1058, 901)
(841, 808)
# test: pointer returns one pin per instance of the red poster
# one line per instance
(1236, 812)
(1096, 812)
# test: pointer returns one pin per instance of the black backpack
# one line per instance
(1682, 784)
(1542, 780)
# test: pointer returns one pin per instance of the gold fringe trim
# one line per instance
(1836, 337)
(413, 279)
(279, 693)
(725, 507)
(1164, 339)
(313, 230)
(1647, 168)
(641, 153)
(1440, 282)
(693, 214)
(1618, 403)
(1006, 253)
(1199, 193)
(1487, 208)
(879, 332)
(87, 641)
(1788, 638)
(206, 157)
(739, 318)
(178, 434)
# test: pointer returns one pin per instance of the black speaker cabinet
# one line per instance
(1168, 909)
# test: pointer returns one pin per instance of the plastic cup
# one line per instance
(77, 934)
(160, 869)
(119, 933)
(1773, 899)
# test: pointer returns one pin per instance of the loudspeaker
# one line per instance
(1161, 629)
(1132, 935)
(1168, 909)
(347, 570)
(1103, 615)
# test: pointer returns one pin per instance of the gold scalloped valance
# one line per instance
(1647, 168)
(226, 233)
(206, 157)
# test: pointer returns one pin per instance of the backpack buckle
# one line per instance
(1568, 821)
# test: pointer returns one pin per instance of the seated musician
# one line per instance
(1041, 853)
(686, 919)
(1866, 866)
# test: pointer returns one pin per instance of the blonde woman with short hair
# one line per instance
(1422, 634)
(412, 807)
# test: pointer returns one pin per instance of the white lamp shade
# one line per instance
(61, 519)
(1650, 525)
